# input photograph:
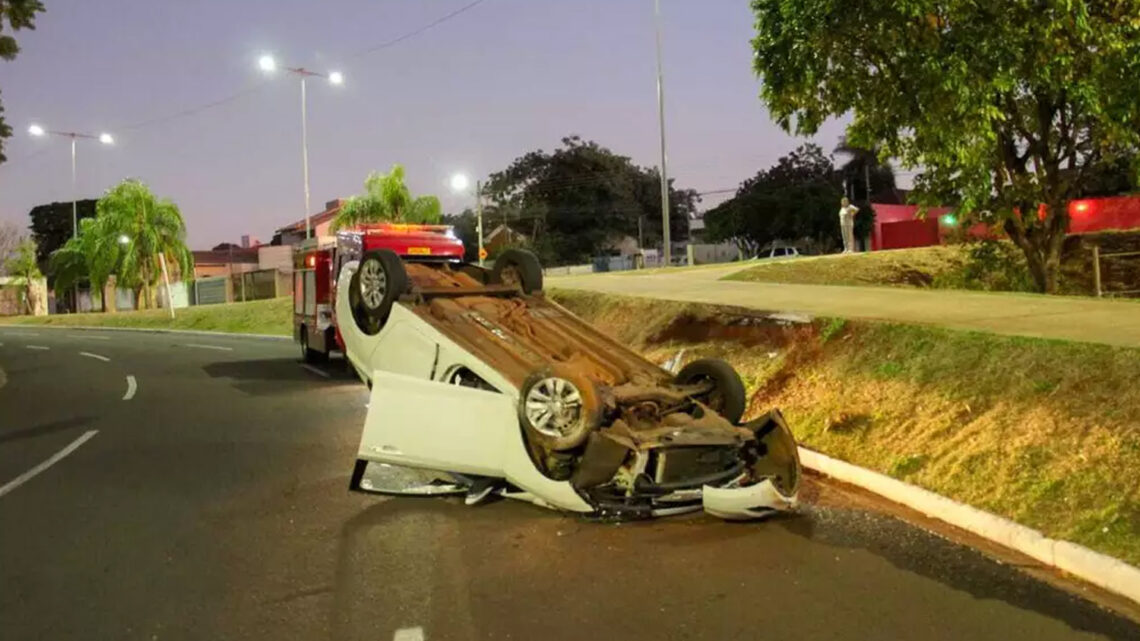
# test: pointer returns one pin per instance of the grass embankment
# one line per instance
(273, 316)
(1046, 433)
(995, 266)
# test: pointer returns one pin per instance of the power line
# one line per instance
(190, 111)
(413, 34)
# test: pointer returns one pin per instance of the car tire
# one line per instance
(543, 411)
(727, 396)
(518, 267)
(380, 281)
(364, 322)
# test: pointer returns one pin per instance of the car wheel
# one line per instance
(364, 322)
(381, 280)
(559, 408)
(518, 267)
(727, 396)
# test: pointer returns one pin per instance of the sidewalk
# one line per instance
(1089, 320)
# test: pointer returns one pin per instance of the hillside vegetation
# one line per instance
(1046, 433)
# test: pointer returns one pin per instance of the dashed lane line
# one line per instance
(217, 347)
(55, 458)
(409, 634)
(43, 348)
(85, 337)
(95, 356)
(132, 387)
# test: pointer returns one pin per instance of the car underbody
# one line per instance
(480, 378)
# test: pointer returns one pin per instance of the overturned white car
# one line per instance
(482, 382)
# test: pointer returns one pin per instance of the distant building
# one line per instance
(248, 241)
(294, 233)
(502, 237)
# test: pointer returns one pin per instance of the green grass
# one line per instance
(921, 267)
(274, 316)
(1043, 432)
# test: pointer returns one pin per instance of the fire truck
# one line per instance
(318, 262)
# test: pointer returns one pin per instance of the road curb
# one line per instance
(1099, 569)
(152, 330)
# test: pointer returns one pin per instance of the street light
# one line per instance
(459, 184)
(124, 239)
(104, 138)
(269, 65)
(661, 123)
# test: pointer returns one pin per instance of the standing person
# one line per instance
(847, 213)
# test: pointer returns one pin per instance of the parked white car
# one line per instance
(481, 385)
(779, 252)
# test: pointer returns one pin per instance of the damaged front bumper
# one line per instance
(745, 503)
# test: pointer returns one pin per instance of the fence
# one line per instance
(1111, 257)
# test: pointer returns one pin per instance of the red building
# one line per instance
(896, 226)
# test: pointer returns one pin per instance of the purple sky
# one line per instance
(471, 94)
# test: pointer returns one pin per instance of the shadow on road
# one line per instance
(920, 552)
(271, 376)
(61, 425)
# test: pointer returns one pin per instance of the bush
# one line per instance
(991, 265)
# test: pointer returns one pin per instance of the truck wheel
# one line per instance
(380, 281)
(559, 408)
(308, 354)
(727, 396)
(518, 267)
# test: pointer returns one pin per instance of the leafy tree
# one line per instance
(465, 225)
(1008, 105)
(576, 201)
(221, 247)
(92, 257)
(21, 264)
(132, 228)
(795, 199)
(19, 14)
(51, 227)
(387, 198)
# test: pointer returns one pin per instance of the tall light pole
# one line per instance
(104, 138)
(459, 184)
(661, 122)
(269, 65)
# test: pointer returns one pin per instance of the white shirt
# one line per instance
(847, 212)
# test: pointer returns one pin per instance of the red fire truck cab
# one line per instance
(317, 265)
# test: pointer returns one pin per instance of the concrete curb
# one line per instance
(152, 330)
(1096, 568)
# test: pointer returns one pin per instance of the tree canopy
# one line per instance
(21, 264)
(797, 199)
(18, 14)
(51, 227)
(578, 200)
(1007, 106)
(130, 231)
(386, 198)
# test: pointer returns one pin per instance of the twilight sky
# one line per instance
(471, 94)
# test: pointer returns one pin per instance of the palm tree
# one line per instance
(132, 229)
(387, 198)
(865, 176)
(94, 255)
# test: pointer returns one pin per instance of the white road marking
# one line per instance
(55, 458)
(316, 370)
(39, 347)
(94, 338)
(95, 356)
(21, 334)
(409, 634)
(132, 387)
(217, 347)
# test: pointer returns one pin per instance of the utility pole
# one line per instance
(305, 157)
(661, 122)
(479, 217)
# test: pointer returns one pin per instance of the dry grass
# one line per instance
(1043, 432)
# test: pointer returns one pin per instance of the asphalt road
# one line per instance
(212, 504)
(1112, 322)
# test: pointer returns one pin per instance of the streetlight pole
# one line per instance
(268, 65)
(661, 123)
(459, 184)
(74, 136)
